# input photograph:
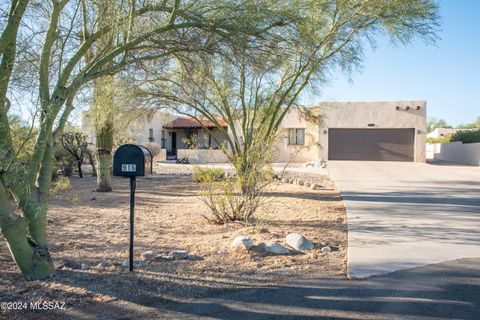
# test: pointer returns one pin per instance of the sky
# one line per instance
(447, 74)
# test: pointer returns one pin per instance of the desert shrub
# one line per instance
(227, 202)
(236, 198)
(207, 175)
(23, 138)
(467, 136)
(62, 184)
(154, 149)
(444, 139)
(191, 141)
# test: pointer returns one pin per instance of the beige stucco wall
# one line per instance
(202, 155)
(138, 129)
(383, 115)
(284, 152)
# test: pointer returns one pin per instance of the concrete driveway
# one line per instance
(403, 215)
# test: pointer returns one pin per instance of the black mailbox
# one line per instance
(131, 160)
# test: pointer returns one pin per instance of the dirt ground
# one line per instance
(90, 227)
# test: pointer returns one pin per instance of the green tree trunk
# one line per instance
(31, 256)
(103, 113)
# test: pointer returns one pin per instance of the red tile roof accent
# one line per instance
(188, 122)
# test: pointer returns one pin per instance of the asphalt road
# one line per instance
(450, 290)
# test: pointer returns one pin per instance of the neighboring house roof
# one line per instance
(189, 122)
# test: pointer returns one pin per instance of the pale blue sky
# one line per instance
(446, 75)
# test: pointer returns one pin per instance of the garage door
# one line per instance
(371, 144)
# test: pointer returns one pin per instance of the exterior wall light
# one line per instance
(407, 108)
(417, 108)
(419, 131)
(325, 131)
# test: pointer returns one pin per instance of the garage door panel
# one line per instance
(371, 144)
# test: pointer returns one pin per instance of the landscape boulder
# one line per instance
(66, 263)
(298, 242)
(327, 249)
(275, 248)
(126, 263)
(242, 243)
(148, 255)
(179, 254)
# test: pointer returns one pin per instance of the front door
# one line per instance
(172, 152)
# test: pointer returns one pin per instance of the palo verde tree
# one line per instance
(254, 84)
(62, 62)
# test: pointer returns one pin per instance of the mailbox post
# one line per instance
(132, 160)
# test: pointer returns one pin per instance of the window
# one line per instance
(150, 135)
(296, 136)
(163, 139)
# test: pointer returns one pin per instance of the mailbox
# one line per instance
(131, 160)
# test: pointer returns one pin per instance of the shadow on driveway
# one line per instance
(442, 291)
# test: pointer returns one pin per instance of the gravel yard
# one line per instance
(89, 227)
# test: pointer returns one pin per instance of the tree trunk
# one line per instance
(33, 258)
(104, 176)
(103, 112)
(79, 167)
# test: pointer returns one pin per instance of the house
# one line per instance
(365, 131)
(374, 131)
(439, 133)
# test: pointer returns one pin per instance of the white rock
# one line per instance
(298, 242)
(314, 186)
(291, 181)
(85, 266)
(275, 248)
(242, 243)
(126, 263)
(300, 182)
(148, 255)
(327, 249)
(179, 254)
(101, 266)
(284, 180)
(222, 250)
(164, 257)
(307, 184)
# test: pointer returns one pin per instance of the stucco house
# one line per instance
(357, 131)
(439, 133)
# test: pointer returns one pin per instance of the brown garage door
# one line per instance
(371, 144)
